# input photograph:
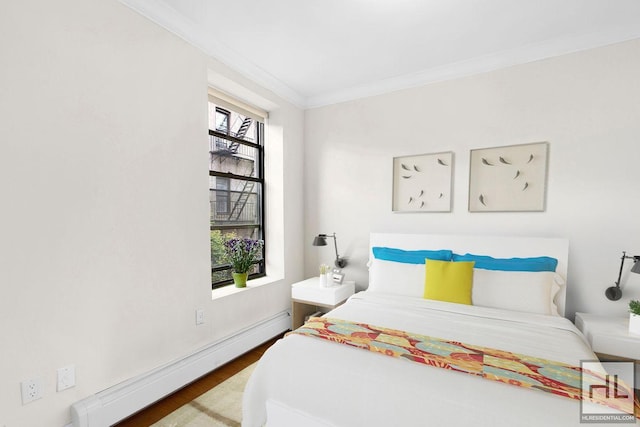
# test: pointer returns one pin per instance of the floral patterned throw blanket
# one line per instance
(497, 365)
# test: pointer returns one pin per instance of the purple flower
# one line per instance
(242, 253)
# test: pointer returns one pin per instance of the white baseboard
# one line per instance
(118, 402)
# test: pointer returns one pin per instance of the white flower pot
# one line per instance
(634, 324)
(323, 281)
(326, 280)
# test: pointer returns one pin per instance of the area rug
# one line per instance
(219, 407)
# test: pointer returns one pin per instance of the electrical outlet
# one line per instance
(31, 390)
(199, 317)
(66, 377)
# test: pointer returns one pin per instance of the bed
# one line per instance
(303, 380)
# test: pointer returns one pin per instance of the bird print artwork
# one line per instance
(422, 183)
(511, 178)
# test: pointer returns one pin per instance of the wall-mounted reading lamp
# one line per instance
(321, 240)
(614, 292)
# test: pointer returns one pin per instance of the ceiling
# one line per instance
(318, 52)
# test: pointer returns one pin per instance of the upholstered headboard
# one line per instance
(495, 246)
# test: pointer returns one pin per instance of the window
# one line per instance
(222, 196)
(222, 120)
(236, 182)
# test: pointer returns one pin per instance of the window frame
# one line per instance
(258, 179)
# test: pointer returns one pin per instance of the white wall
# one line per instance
(104, 247)
(586, 105)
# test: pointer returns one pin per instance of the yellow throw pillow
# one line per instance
(449, 281)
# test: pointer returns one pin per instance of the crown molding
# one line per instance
(168, 18)
(483, 64)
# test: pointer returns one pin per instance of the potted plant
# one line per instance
(634, 316)
(242, 253)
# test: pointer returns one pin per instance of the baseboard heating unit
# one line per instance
(120, 401)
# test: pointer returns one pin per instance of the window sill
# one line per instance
(251, 284)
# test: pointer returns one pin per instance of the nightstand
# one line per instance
(610, 339)
(307, 297)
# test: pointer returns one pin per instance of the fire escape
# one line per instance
(229, 149)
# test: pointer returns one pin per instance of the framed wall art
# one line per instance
(422, 183)
(508, 179)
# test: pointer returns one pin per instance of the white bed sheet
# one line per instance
(337, 385)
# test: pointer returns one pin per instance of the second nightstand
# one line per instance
(609, 335)
(610, 339)
(307, 297)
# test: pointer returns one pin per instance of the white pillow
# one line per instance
(532, 292)
(396, 278)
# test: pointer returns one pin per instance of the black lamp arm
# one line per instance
(335, 244)
(624, 256)
(635, 259)
(339, 262)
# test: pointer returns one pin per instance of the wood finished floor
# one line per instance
(164, 407)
